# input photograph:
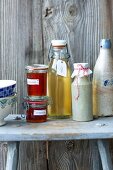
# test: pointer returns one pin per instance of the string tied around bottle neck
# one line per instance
(80, 70)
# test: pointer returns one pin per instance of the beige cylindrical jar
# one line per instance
(81, 93)
(103, 81)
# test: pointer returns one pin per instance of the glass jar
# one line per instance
(59, 80)
(36, 111)
(36, 80)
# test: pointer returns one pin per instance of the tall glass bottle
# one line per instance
(59, 80)
(103, 81)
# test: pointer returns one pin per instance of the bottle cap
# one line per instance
(81, 70)
(105, 43)
(36, 67)
(58, 43)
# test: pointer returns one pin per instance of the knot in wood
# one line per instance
(48, 11)
(70, 145)
(72, 10)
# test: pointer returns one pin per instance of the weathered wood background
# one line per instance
(26, 30)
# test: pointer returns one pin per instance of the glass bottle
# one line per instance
(103, 81)
(59, 80)
(81, 93)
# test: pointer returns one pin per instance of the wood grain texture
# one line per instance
(82, 23)
(21, 41)
(3, 157)
(74, 155)
(32, 156)
(20, 45)
(55, 130)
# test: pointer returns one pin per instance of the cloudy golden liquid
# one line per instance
(59, 90)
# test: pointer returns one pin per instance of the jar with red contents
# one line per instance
(36, 80)
(36, 111)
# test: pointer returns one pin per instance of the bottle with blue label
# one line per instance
(103, 81)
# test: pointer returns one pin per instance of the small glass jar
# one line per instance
(36, 111)
(36, 80)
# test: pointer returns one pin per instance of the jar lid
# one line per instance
(43, 102)
(105, 43)
(56, 43)
(36, 67)
(81, 70)
(37, 100)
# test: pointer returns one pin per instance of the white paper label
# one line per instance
(61, 68)
(33, 81)
(54, 65)
(39, 112)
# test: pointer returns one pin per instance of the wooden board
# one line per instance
(74, 155)
(21, 41)
(17, 130)
(20, 45)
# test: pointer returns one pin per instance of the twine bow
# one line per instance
(81, 72)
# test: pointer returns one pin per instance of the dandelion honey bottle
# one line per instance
(59, 80)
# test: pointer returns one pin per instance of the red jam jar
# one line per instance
(36, 80)
(36, 111)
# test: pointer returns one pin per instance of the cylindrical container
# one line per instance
(59, 80)
(81, 93)
(36, 80)
(36, 111)
(103, 81)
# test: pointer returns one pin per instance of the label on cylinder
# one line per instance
(33, 81)
(39, 112)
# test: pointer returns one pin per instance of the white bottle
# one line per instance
(81, 93)
(103, 81)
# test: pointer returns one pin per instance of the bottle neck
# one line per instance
(105, 52)
(60, 53)
(82, 79)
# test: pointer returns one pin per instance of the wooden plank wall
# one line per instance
(26, 30)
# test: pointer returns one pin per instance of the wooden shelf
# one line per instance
(20, 130)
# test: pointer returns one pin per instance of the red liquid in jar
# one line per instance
(33, 117)
(39, 88)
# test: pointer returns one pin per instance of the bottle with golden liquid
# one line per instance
(59, 80)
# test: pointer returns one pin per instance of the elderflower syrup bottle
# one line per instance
(59, 80)
(81, 93)
(103, 81)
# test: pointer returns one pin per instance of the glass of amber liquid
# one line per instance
(36, 80)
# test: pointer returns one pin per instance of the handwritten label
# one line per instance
(39, 112)
(33, 81)
(61, 68)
